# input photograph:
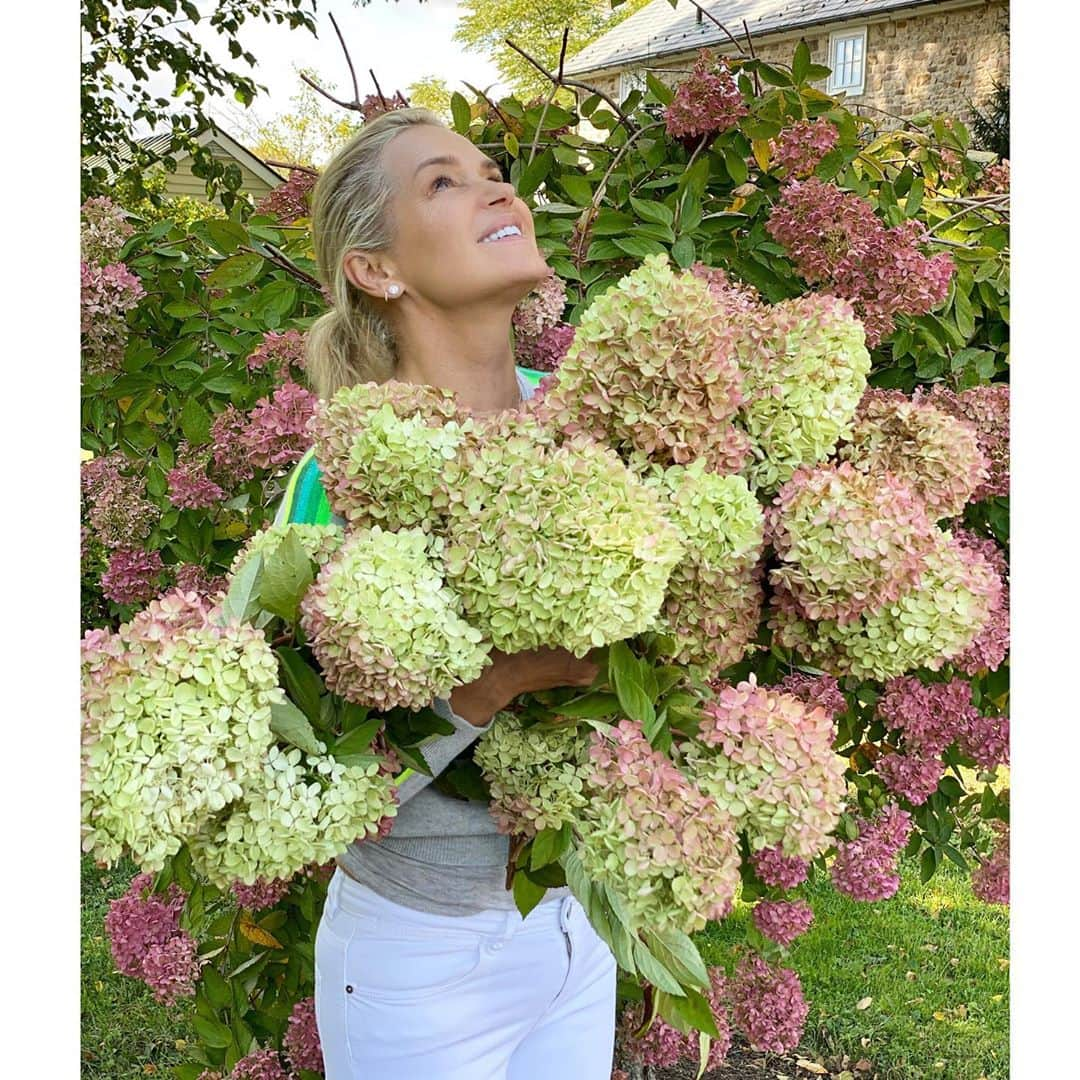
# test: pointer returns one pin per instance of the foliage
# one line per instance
(990, 124)
(124, 41)
(430, 92)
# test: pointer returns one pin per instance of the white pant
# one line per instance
(404, 995)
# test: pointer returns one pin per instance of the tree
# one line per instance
(430, 92)
(990, 125)
(127, 40)
(535, 25)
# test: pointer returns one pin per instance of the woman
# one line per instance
(424, 968)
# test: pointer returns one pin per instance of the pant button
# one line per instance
(348, 989)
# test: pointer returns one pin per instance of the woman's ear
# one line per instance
(366, 272)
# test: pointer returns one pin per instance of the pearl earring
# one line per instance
(393, 291)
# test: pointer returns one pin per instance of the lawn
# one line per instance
(916, 986)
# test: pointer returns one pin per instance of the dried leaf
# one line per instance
(910, 976)
(939, 1015)
(862, 1065)
(258, 936)
(845, 1075)
(812, 1067)
(864, 1003)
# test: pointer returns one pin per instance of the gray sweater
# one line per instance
(443, 855)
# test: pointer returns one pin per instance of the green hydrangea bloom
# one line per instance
(296, 809)
(176, 719)
(319, 541)
(383, 625)
(572, 551)
(536, 774)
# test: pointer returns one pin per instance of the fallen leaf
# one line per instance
(939, 1064)
(862, 1065)
(812, 1066)
(864, 1041)
(1003, 962)
(939, 1016)
(909, 975)
(954, 960)
(149, 1069)
(181, 1044)
(845, 1075)
(864, 1003)
(997, 997)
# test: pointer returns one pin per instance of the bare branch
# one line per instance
(378, 89)
(551, 96)
(348, 59)
(353, 105)
(290, 165)
(498, 111)
(712, 18)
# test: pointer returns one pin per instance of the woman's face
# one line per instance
(442, 211)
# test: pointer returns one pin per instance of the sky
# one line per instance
(402, 40)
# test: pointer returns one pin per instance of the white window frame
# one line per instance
(631, 80)
(857, 36)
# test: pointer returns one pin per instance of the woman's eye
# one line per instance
(437, 179)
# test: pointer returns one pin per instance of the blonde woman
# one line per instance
(424, 968)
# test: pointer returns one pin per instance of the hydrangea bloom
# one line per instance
(536, 774)
(104, 230)
(713, 602)
(782, 921)
(767, 1004)
(384, 626)
(935, 454)
(277, 431)
(996, 178)
(289, 201)
(706, 101)
(230, 463)
(114, 504)
(321, 542)
(261, 894)
(847, 541)
(301, 1042)
(822, 690)
(776, 868)
(986, 408)
(990, 879)
(189, 486)
(911, 776)
(734, 297)
(571, 550)
(663, 1045)
(931, 716)
(805, 365)
(925, 627)
(865, 868)
(541, 309)
(651, 836)
(296, 809)
(546, 351)
(278, 351)
(987, 741)
(176, 718)
(834, 238)
(652, 368)
(383, 449)
(132, 576)
(259, 1064)
(991, 646)
(147, 942)
(799, 149)
(108, 294)
(190, 577)
(768, 761)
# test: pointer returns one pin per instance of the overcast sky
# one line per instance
(402, 41)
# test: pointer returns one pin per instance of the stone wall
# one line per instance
(936, 60)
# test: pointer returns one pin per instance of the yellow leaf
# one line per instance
(909, 975)
(939, 1016)
(258, 935)
(737, 205)
(1003, 962)
(125, 404)
(761, 153)
(997, 997)
(86, 455)
(812, 1066)
(864, 1003)
(181, 1044)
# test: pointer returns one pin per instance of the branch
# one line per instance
(753, 56)
(348, 59)
(354, 105)
(498, 111)
(561, 80)
(551, 96)
(712, 18)
(282, 263)
(289, 165)
(378, 89)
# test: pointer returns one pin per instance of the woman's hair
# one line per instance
(350, 208)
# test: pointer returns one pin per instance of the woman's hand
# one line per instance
(512, 674)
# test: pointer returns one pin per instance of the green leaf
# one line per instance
(928, 863)
(576, 878)
(241, 601)
(682, 251)
(462, 114)
(801, 64)
(275, 301)
(773, 75)
(224, 235)
(661, 91)
(212, 1033)
(511, 143)
(651, 969)
(625, 673)
(914, 197)
(287, 573)
(679, 955)
(591, 706)
(548, 845)
(656, 212)
(235, 271)
(303, 684)
(195, 422)
(691, 1012)
(359, 739)
(217, 989)
(535, 173)
(577, 188)
(287, 722)
(527, 894)
(736, 165)
(640, 247)
(182, 309)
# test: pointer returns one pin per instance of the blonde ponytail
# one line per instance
(350, 208)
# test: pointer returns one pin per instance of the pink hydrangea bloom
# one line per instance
(373, 105)
(114, 505)
(986, 408)
(865, 868)
(822, 690)
(190, 577)
(104, 231)
(734, 297)
(706, 101)
(782, 921)
(910, 776)
(290, 200)
(132, 576)
(990, 879)
(991, 646)
(301, 1044)
(259, 1065)
(147, 942)
(541, 309)
(767, 1004)
(262, 894)
(776, 868)
(835, 238)
(987, 741)
(997, 178)
(800, 148)
(230, 465)
(279, 351)
(545, 352)
(931, 716)
(277, 431)
(189, 486)
(108, 294)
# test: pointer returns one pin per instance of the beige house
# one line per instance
(258, 177)
(900, 56)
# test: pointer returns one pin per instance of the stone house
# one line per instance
(886, 56)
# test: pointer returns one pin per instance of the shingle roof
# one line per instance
(658, 29)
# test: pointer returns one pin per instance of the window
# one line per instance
(631, 80)
(847, 58)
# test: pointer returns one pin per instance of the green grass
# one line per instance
(934, 962)
(125, 1032)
